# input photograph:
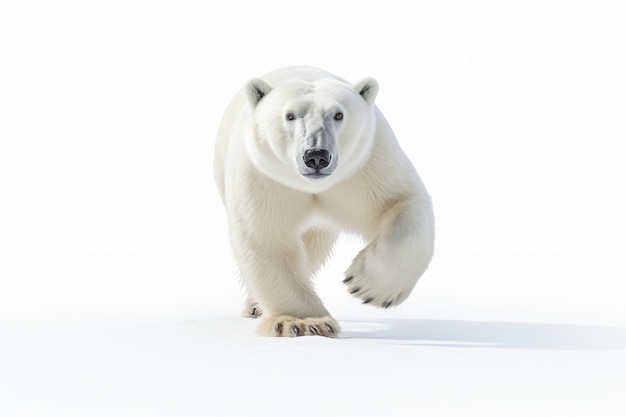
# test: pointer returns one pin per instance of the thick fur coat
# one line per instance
(301, 156)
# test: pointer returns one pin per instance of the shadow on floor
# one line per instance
(458, 333)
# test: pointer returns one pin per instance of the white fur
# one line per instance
(283, 225)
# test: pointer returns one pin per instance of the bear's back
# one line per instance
(298, 72)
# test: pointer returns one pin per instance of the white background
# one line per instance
(118, 292)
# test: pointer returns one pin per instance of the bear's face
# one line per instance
(311, 135)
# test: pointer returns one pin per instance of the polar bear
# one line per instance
(302, 155)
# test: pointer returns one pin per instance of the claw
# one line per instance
(278, 328)
(330, 328)
(354, 291)
(296, 330)
(314, 330)
(387, 304)
(368, 300)
(348, 279)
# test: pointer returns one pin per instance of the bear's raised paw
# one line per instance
(378, 279)
(289, 326)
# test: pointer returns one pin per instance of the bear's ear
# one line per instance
(256, 89)
(367, 88)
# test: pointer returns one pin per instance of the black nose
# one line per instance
(316, 158)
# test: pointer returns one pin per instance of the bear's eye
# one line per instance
(338, 116)
(290, 116)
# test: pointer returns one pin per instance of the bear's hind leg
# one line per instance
(252, 309)
(319, 244)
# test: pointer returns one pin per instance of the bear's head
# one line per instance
(310, 135)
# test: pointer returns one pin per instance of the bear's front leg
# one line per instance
(385, 272)
(276, 274)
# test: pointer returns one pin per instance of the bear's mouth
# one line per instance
(316, 175)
